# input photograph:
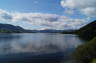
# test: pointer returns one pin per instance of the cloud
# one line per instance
(89, 11)
(49, 21)
(86, 7)
(69, 12)
(5, 15)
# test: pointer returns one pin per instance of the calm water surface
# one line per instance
(42, 45)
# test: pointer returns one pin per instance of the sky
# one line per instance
(48, 14)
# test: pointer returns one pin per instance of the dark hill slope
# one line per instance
(88, 31)
(8, 28)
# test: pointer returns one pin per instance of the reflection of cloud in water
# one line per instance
(41, 43)
(16, 47)
(29, 47)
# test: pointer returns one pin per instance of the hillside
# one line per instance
(8, 28)
(86, 53)
(88, 31)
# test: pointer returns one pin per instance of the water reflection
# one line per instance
(37, 47)
(32, 58)
(5, 37)
(37, 43)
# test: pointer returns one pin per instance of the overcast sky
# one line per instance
(48, 14)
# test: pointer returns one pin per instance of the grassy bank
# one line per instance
(86, 52)
(94, 61)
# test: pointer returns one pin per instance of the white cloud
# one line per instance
(88, 6)
(78, 3)
(5, 15)
(49, 21)
(89, 11)
(69, 12)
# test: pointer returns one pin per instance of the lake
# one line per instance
(37, 47)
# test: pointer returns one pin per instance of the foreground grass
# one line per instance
(86, 53)
(94, 61)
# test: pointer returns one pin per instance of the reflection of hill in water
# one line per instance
(8, 37)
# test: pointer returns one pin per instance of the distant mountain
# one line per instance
(45, 31)
(88, 31)
(69, 31)
(50, 31)
(8, 28)
(53, 31)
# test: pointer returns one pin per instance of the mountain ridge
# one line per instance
(8, 28)
(88, 31)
